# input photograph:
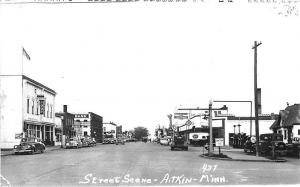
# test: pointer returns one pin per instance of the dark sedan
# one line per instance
(30, 145)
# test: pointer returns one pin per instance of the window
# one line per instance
(298, 131)
(50, 111)
(47, 110)
(32, 107)
(85, 133)
(27, 106)
(284, 134)
(37, 108)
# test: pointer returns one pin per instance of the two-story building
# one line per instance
(27, 109)
(110, 129)
(91, 124)
(67, 122)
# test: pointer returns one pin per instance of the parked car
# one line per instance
(74, 143)
(179, 142)
(164, 141)
(30, 145)
(120, 141)
(91, 141)
(85, 142)
(266, 141)
(250, 145)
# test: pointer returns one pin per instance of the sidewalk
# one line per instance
(5, 152)
(240, 155)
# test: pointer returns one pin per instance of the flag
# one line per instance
(26, 54)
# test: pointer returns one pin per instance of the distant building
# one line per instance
(110, 129)
(67, 122)
(91, 124)
(27, 109)
(119, 131)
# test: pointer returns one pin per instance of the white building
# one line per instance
(26, 110)
(83, 122)
(225, 125)
(110, 129)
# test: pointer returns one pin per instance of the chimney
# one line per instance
(65, 108)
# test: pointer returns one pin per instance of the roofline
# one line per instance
(40, 85)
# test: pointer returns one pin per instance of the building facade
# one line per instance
(110, 129)
(27, 110)
(119, 131)
(67, 123)
(90, 124)
(226, 126)
(288, 124)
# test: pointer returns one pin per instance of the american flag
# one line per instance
(25, 53)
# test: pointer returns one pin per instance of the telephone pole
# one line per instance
(255, 97)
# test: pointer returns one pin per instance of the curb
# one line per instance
(7, 154)
(243, 160)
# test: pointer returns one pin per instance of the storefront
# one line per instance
(46, 132)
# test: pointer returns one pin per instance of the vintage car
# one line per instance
(164, 141)
(73, 143)
(91, 141)
(85, 142)
(250, 145)
(179, 142)
(266, 141)
(30, 145)
(120, 141)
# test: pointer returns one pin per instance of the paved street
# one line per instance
(139, 163)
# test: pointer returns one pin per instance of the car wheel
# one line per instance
(42, 150)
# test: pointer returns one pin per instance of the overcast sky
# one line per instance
(134, 63)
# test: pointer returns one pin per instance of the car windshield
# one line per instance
(29, 139)
(278, 138)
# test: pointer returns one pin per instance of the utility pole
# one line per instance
(210, 153)
(255, 97)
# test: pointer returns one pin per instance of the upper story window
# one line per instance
(50, 111)
(27, 106)
(32, 107)
(37, 108)
(47, 110)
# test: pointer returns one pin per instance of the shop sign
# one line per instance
(219, 142)
(18, 135)
(195, 136)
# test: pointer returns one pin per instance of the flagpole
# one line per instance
(22, 60)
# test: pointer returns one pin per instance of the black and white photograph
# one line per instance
(149, 92)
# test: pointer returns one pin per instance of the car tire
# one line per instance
(42, 150)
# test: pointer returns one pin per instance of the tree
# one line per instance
(140, 132)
